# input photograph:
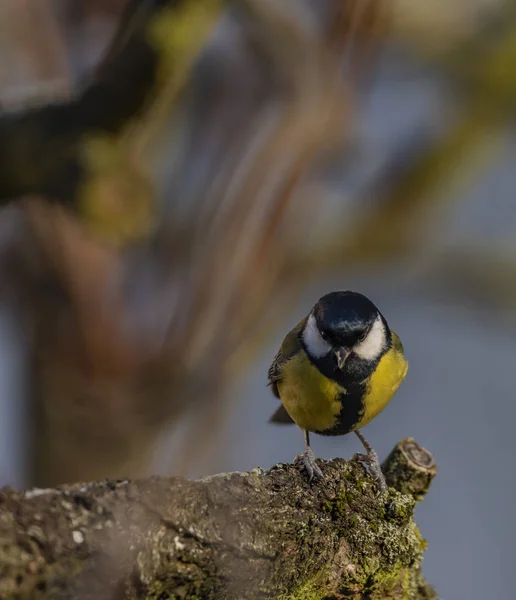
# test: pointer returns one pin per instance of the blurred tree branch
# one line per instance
(240, 535)
(423, 175)
(66, 151)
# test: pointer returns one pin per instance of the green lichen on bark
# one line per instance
(381, 548)
(241, 535)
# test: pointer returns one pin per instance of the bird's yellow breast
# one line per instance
(314, 402)
(383, 383)
(310, 398)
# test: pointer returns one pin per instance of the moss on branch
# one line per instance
(262, 534)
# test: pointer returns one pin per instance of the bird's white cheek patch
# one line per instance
(374, 343)
(314, 343)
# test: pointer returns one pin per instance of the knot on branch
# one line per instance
(410, 469)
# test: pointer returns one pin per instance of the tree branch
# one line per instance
(410, 469)
(239, 535)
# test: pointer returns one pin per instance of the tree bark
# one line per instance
(231, 536)
(410, 469)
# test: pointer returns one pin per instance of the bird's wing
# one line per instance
(290, 346)
(398, 347)
(396, 342)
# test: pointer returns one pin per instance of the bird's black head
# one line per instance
(346, 324)
(343, 318)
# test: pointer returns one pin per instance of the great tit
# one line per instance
(335, 371)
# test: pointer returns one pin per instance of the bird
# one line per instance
(335, 372)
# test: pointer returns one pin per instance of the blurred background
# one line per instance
(190, 176)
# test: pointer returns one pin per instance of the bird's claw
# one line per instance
(373, 463)
(307, 462)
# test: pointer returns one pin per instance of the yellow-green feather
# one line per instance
(310, 398)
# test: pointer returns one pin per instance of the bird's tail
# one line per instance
(281, 417)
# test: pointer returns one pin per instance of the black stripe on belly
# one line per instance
(351, 412)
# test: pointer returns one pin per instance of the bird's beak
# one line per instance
(342, 354)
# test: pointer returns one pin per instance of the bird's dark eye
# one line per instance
(362, 336)
(324, 336)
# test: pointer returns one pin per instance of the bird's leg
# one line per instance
(371, 460)
(307, 460)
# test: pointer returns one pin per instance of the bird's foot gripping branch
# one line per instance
(262, 534)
